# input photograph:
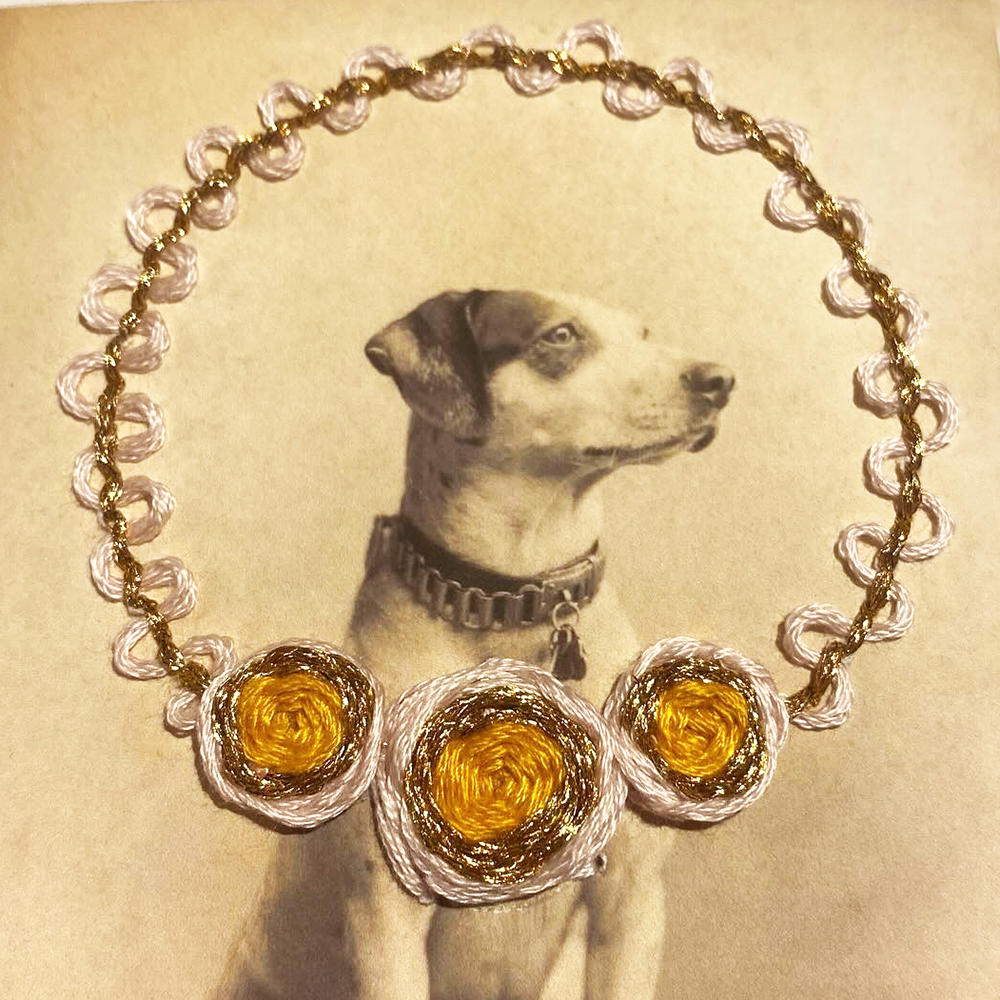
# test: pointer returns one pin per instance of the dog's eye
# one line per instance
(560, 336)
(558, 351)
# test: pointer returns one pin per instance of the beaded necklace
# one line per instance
(297, 732)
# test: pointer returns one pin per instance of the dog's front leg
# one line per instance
(628, 912)
(388, 930)
(332, 923)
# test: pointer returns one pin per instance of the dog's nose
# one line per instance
(711, 381)
(378, 356)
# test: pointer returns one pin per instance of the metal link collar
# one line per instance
(395, 543)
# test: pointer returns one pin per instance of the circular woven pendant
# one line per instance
(292, 732)
(496, 782)
(697, 729)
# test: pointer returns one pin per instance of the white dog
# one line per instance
(521, 403)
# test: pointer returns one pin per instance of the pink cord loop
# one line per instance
(180, 714)
(284, 157)
(218, 209)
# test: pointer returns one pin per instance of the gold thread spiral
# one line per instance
(291, 719)
(499, 780)
(701, 726)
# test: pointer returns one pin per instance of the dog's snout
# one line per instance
(713, 382)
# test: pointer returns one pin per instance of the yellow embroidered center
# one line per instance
(289, 723)
(700, 726)
(490, 781)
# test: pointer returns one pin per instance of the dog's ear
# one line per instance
(432, 355)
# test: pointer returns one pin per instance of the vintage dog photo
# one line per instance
(521, 403)
(471, 355)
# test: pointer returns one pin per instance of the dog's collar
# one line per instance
(476, 598)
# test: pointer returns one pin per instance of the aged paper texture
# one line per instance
(869, 868)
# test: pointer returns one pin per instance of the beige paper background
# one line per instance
(870, 867)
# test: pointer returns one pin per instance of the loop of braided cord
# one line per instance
(139, 337)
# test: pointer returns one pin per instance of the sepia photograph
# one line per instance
(498, 500)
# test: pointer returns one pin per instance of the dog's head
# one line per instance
(554, 379)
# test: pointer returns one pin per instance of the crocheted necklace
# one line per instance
(499, 780)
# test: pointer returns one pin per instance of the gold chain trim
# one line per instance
(885, 308)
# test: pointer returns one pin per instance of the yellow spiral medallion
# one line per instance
(700, 726)
(291, 719)
(499, 780)
(290, 722)
(489, 782)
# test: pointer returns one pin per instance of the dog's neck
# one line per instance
(508, 520)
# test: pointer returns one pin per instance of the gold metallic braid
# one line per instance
(558, 783)
(305, 707)
(885, 309)
(640, 715)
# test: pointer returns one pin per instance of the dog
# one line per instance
(521, 404)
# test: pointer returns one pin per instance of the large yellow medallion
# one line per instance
(498, 781)
(489, 782)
